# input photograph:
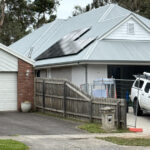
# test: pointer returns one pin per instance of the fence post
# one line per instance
(35, 84)
(118, 114)
(65, 94)
(43, 95)
(90, 110)
(125, 114)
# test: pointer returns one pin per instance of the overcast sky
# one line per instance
(66, 7)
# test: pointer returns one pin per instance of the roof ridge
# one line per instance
(87, 12)
(121, 16)
(90, 50)
(111, 6)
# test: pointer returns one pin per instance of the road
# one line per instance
(73, 142)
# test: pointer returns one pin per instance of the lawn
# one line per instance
(12, 145)
(96, 128)
(128, 141)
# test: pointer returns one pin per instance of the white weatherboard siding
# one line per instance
(122, 32)
(61, 73)
(49, 75)
(8, 91)
(8, 62)
(96, 72)
(43, 73)
(78, 75)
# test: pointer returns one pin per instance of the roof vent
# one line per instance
(131, 28)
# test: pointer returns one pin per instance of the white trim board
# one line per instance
(10, 51)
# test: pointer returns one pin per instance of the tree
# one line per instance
(19, 17)
(43, 12)
(2, 14)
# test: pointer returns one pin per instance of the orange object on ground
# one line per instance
(136, 129)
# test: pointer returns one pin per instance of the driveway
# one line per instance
(142, 121)
(13, 123)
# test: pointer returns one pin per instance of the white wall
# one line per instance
(93, 72)
(62, 73)
(78, 75)
(49, 74)
(122, 32)
(8, 62)
(96, 71)
(43, 73)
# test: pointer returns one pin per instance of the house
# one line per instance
(105, 42)
(16, 79)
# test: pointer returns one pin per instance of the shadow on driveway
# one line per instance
(14, 123)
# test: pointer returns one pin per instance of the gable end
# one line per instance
(130, 30)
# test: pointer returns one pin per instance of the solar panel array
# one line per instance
(70, 44)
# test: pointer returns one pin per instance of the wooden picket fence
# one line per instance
(61, 96)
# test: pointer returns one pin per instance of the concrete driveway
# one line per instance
(142, 121)
(13, 123)
(41, 132)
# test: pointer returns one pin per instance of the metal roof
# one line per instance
(101, 21)
(119, 51)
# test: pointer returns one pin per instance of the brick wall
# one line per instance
(25, 83)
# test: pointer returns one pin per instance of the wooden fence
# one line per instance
(65, 98)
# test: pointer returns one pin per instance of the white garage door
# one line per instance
(8, 91)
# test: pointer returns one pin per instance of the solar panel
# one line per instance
(76, 34)
(68, 45)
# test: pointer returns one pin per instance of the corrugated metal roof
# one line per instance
(105, 50)
(100, 20)
(121, 51)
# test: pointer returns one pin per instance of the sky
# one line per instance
(66, 7)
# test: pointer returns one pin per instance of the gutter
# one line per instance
(85, 62)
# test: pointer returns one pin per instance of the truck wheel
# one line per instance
(138, 109)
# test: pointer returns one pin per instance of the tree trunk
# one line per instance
(2, 13)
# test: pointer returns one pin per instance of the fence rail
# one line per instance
(63, 97)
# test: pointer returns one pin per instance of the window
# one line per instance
(139, 83)
(147, 87)
(130, 28)
(38, 73)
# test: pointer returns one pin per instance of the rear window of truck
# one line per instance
(139, 83)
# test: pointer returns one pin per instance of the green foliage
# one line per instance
(137, 6)
(12, 145)
(128, 141)
(44, 13)
(96, 128)
(21, 16)
(92, 128)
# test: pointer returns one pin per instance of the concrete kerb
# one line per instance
(77, 136)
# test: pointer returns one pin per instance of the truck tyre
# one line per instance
(138, 109)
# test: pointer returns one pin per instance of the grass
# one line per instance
(12, 145)
(96, 128)
(128, 141)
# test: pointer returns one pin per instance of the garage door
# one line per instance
(8, 91)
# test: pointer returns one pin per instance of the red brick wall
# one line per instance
(25, 83)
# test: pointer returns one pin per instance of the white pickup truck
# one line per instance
(140, 94)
